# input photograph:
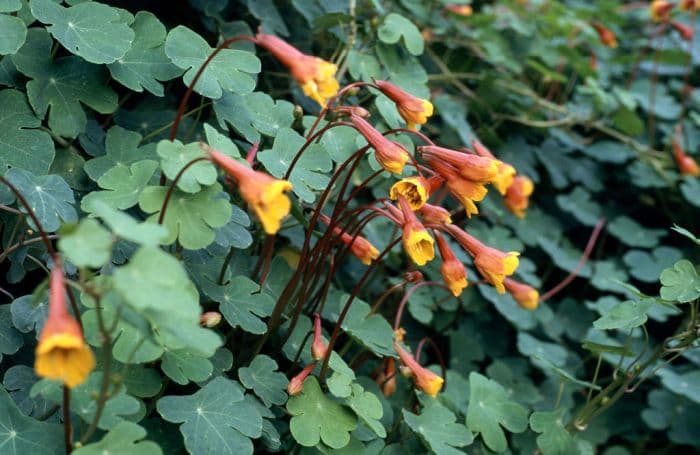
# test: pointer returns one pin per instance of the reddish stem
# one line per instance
(436, 350)
(171, 188)
(332, 101)
(190, 88)
(586, 253)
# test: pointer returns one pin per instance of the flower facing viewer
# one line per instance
(62, 353)
(414, 189)
(265, 194)
(315, 75)
(417, 242)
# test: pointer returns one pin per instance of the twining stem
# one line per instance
(190, 88)
(173, 184)
(346, 308)
(332, 101)
(408, 294)
(582, 262)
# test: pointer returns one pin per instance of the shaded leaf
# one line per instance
(437, 427)
(267, 383)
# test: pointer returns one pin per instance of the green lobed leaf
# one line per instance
(648, 266)
(91, 30)
(49, 197)
(686, 384)
(21, 435)
(185, 365)
(125, 438)
(156, 286)
(396, 26)
(489, 409)
(10, 338)
(263, 378)
(316, 418)
(215, 419)
(145, 64)
(13, 32)
(60, 86)
(23, 145)
(681, 282)
(175, 155)
(242, 304)
(122, 186)
(126, 227)
(191, 218)
(230, 71)
(310, 172)
(437, 428)
(254, 114)
(121, 149)
(554, 438)
(86, 245)
(368, 408)
(633, 234)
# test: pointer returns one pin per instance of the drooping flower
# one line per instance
(423, 378)
(480, 169)
(315, 75)
(434, 214)
(686, 164)
(517, 197)
(296, 384)
(414, 110)
(684, 30)
(415, 189)
(494, 265)
(265, 194)
(391, 155)
(416, 240)
(360, 247)
(607, 37)
(318, 347)
(413, 276)
(526, 296)
(506, 172)
(452, 269)
(62, 353)
(467, 192)
(660, 10)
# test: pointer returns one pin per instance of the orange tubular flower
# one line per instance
(62, 353)
(472, 167)
(686, 164)
(265, 194)
(416, 240)
(359, 246)
(434, 214)
(685, 31)
(416, 190)
(296, 384)
(494, 265)
(465, 191)
(318, 347)
(506, 172)
(606, 36)
(517, 197)
(689, 5)
(315, 75)
(391, 155)
(660, 10)
(424, 379)
(414, 110)
(526, 296)
(452, 269)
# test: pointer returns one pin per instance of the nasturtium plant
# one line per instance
(255, 226)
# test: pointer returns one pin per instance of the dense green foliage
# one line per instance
(89, 93)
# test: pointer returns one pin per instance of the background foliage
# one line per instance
(88, 94)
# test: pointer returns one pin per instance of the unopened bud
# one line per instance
(352, 110)
(413, 276)
(296, 384)
(318, 347)
(210, 319)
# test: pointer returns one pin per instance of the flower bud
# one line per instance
(210, 319)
